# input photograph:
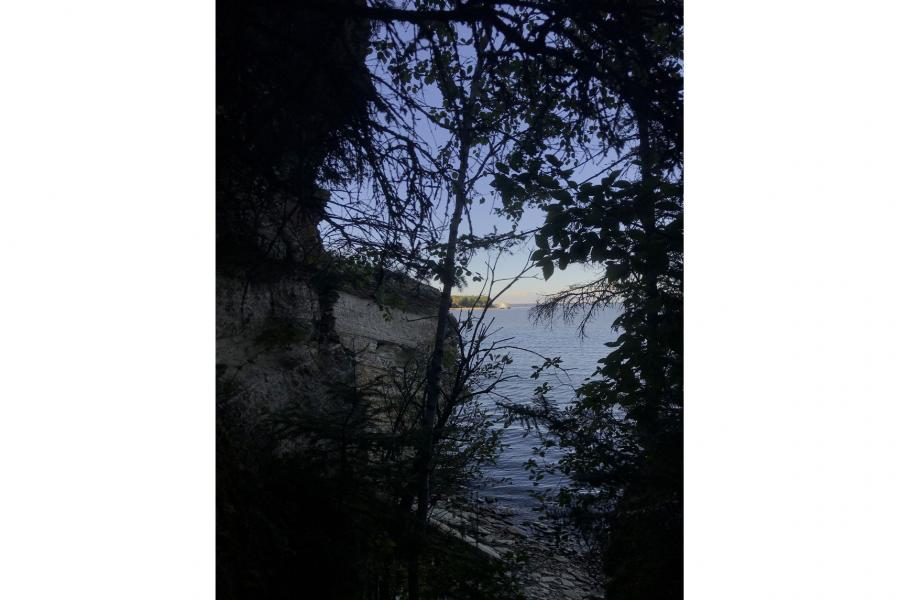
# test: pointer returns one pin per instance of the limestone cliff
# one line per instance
(293, 95)
(270, 352)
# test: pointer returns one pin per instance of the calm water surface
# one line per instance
(508, 481)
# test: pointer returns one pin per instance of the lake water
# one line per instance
(579, 357)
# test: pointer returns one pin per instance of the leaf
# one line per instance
(547, 267)
(547, 181)
(579, 251)
(616, 271)
(612, 176)
(561, 195)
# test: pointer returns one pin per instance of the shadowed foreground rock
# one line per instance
(545, 566)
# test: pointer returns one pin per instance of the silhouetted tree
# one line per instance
(625, 431)
(604, 80)
(353, 132)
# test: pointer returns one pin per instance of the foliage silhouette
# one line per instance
(351, 140)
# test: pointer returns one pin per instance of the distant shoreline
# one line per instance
(507, 306)
(479, 307)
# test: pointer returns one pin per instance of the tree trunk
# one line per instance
(436, 366)
(423, 463)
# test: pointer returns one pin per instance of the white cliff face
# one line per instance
(360, 320)
(265, 354)
(381, 339)
(268, 354)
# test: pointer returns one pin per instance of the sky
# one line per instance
(528, 289)
(484, 218)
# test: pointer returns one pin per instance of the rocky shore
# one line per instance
(548, 565)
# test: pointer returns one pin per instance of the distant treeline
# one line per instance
(468, 301)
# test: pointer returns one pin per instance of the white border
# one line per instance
(792, 476)
(107, 305)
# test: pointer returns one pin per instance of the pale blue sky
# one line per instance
(484, 219)
(527, 289)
